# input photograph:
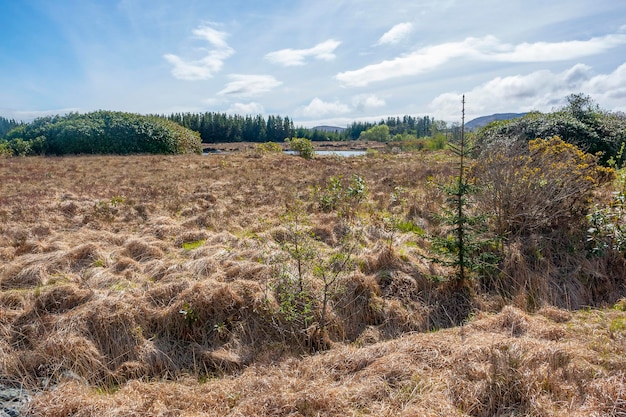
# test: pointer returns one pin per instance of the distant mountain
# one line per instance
(330, 129)
(482, 121)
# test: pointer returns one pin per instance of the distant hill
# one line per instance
(330, 129)
(482, 121)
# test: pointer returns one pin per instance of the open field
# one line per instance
(164, 286)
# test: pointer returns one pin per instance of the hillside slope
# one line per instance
(484, 120)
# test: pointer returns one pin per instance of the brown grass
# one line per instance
(147, 285)
(480, 369)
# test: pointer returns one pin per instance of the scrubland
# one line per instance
(272, 285)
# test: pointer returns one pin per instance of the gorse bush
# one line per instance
(268, 147)
(538, 197)
(102, 132)
(544, 185)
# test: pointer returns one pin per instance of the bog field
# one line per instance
(265, 284)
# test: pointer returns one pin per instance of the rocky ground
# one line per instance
(12, 400)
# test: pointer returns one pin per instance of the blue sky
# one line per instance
(316, 61)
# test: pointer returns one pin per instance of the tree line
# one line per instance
(216, 127)
(223, 127)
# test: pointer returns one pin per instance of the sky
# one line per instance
(319, 62)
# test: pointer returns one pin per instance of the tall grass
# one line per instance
(141, 284)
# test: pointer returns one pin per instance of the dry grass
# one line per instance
(147, 285)
(497, 365)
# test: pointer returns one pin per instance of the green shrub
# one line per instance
(302, 146)
(436, 143)
(581, 123)
(342, 196)
(379, 133)
(607, 223)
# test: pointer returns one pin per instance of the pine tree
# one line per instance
(462, 248)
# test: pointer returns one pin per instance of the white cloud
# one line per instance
(559, 51)
(205, 67)
(396, 34)
(246, 108)
(421, 61)
(540, 90)
(201, 69)
(368, 102)
(212, 101)
(294, 57)
(487, 48)
(609, 89)
(249, 85)
(214, 37)
(362, 102)
(318, 107)
(30, 115)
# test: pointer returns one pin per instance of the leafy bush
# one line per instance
(303, 147)
(21, 147)
(379, 133)
(342, 196)
(436, 142)
(607, 231)
(102, 132)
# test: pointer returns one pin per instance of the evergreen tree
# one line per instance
(6, 125)
(463, 247)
